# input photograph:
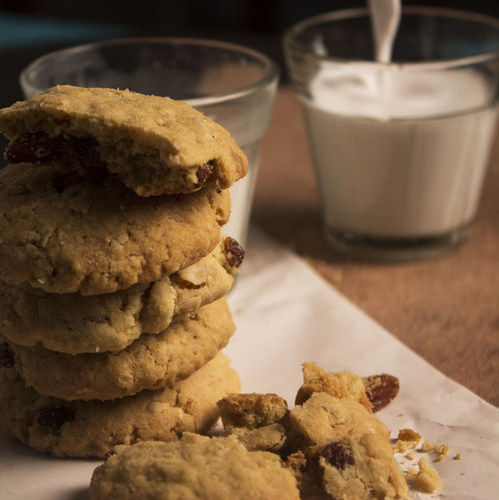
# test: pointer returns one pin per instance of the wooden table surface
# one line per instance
(446, 309)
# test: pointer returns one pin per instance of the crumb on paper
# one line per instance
(462, 474)
(411, 455)
(427, 480)
(400, 415)
(442, 450)
(426, 446)
(458, 456)
(407, 439)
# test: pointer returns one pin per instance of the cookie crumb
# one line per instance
(458, 456)
(400, 415)
(407, 439)
(411, 455)
(442, 450)
(427, 479)
(426, 446)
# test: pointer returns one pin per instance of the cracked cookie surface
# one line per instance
(68, 232)
(192, 468)
(95, 428)
(149, 362)
(154, 145)
(75, 324)
(331, 440)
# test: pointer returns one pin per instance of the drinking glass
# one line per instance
(401, 182)
(233, 85)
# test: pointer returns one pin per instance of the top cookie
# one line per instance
(154, 145)
(68, 232)
(195, 467)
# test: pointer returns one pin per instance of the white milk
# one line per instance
(385, 20)
(399, 153)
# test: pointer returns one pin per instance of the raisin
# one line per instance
(338, 454)
(54, 417)
(381, 390)
(6, 356)
(86, 152)
(41, 147)
(32, 147)
(204, 173)
(235, 252)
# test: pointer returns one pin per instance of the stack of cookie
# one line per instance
(113, 269)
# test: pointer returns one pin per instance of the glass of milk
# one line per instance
(400, 123)
(233, 85)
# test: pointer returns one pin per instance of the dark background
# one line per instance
(30, 28)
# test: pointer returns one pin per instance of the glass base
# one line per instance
(397, 249)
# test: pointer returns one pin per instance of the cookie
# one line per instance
(256, 420)
(154, 145)
(362, 466)
(373, 392)
(324, 418)
(358, 466)
(344, 450)
(149, 362)
(75, 324)
(331, 441)
(94, 428)
(251, 411)
(66, 232)
(337, 384)
(195, 467)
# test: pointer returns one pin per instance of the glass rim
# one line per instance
(271, 71)
(290, 44)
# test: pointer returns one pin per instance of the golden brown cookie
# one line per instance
(67, 232)
(361, 466)
(149, 362)
(154, 145)
(195, 467)
(373, 392)
(94, 428)
(75, 324)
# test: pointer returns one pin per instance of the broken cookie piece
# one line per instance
(374, 392)
(255, 419)
(427, 479)
(323, 419)
(194, 467)
(154, 145)
(331, 441)
(339, 385)
(361, 466)
(251, 410)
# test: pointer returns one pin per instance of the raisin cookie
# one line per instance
(154, 145)
(330, 440)
(94, 428)
(257, 420)
(66, 232)
(361, 466)
(149, 362)
(75, 324)
(195, 467)
(373, 392)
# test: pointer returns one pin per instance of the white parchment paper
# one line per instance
(286, 314)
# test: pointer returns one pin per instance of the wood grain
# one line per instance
(445, 309)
